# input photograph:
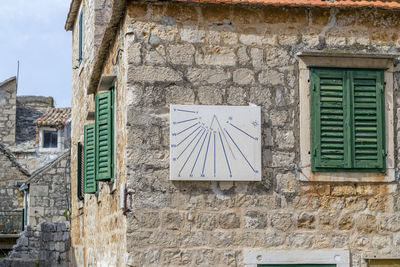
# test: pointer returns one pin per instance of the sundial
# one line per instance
(219, 143)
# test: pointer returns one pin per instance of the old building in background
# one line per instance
(325, 75)
(35, 151)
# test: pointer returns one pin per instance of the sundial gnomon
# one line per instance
(215, 142)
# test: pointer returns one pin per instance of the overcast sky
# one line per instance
(32, 31)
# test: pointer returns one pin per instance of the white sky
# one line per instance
(32, 31)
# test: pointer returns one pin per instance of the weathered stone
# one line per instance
(192, 35)
(271, 77)
(153, 74)
(229, 220)
(256, 220)
(243, 76)
(390, 223)
(286, 183)
(216, 56)
(181, 54)
(282, 221)
(206, 221)
(366, 223)
(208, 76)
(346, 221)
(172, 221)
(306, 220)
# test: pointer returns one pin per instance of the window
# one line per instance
(80, 38)
(104, 135)
(50, 139)
(347, 120)
(348, 62)
(89, 174)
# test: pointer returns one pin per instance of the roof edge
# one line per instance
(12, 158)
(8, 80)
(72, 14)
(118, 10)
(44, 168)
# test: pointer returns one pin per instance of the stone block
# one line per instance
(243, 76)
(208, 76)
(181, 54)
(390, 223)
(366, 223)
(229, 220)
(306, 220)
(281, 221)
(256, 219)
(172, 220)
(272, 77)
(286, 183)
(153, 74)
(216, 56)
(192, 34)
(39, 190)
(346, 221)
(209, 95)
(206, 221)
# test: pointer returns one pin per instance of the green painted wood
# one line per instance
(104, 135)
(79, 174)
(347, 120)
(90, 184)
(327, 118)
(296, 265)
(80, 47)
(369, 119)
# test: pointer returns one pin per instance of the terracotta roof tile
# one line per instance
(388, 4)
(55, 117)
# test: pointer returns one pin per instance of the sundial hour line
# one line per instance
(187, 128)
(189, 143)
(205, 157)
(223, 147)
(189, 111)
(231, 124)
(183, 166)
(188, 136)
(226, 140)
(240, 151)
(215, 161)
(198, 154)
(179, 122)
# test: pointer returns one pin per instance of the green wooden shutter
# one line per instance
(80, 37)
(329, 110)
(90, 184)
(80, 164)
(368, 149)
(347, 120)
(104, 135)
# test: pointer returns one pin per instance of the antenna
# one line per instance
(17, 74)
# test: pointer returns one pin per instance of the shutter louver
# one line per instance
(90, 184)
(104, 138)
(368, 119)
(328, 105)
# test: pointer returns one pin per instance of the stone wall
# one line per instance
(231, 55)
(12, 175)
(47, 246)
(176, 53)
(49, 193)
(8, 96)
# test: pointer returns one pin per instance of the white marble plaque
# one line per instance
(218, 143)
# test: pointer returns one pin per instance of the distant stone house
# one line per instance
(34, 164)
(325, 75)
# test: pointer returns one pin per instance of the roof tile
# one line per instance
(387, 4)
(56, 117)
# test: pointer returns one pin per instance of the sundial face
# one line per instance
(219, 143)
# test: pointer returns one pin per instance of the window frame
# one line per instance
(52, 133)
(344, 60)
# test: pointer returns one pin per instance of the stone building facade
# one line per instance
(159, 53)
(8, 96)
